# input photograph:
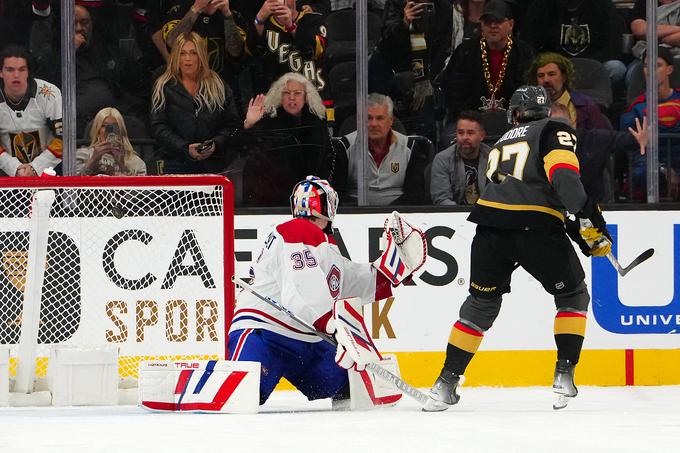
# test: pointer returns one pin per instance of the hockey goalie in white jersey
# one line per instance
(300, 266)
(30, 117)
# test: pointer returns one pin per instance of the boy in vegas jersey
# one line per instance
(301, 267)
(30, 117)
(534, 178)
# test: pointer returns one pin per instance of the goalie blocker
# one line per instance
(200, 386)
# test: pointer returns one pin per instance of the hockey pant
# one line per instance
(550, 258)
(310, 367)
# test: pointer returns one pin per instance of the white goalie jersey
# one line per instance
(301, 268)
(30, 131)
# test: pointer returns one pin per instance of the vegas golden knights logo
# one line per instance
(394, 166)
(25, 145)
(14, 266)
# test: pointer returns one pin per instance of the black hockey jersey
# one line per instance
(534, 177)
(169, 13)
(284, 51)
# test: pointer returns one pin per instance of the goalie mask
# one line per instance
(314, 197)
(528, 103)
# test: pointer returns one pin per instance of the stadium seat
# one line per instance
(342, 81)
(592, 79)
(495, 124)
(341, 28)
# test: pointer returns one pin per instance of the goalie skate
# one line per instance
(443, 393)
(563, 384)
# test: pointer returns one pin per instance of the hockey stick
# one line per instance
(644, 256)
(393, 379)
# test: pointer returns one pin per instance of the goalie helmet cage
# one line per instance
(140, 263)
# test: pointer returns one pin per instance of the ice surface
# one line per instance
(600, 419)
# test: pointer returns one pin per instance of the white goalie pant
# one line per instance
(220, 386)
(368, 391)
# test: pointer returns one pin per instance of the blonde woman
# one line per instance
(287, 139)
(110, 151)
(193, 115)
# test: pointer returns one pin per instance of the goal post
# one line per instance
(142, 264)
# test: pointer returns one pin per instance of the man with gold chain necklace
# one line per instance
(482, 74)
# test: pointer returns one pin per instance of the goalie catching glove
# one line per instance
(405, 251)
(589, 230)
(355, 346)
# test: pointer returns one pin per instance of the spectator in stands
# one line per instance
(286, 39)
(148, 37)
(287, 139)
(396, 162)
(667, 29)
(103, 78)
(556, 73)
(30, 117)
(192, 106)
(482, 74)
(669, 122)
(16, 18)
(594, 146)
(578, 28)
(667, 25)
(249, 8)
(216, 22)
(467, 22)
(415, 42)
(110, 151)
(459, 171)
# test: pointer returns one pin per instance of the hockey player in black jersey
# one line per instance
(520, 217)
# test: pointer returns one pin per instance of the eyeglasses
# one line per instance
(295, 93)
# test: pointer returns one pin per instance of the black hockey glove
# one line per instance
(572, 226)
(593, 229)
(591, 211)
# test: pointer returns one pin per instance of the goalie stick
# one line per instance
(384, 374)
(644, 256)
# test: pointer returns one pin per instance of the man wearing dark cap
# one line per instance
(669, 122)
(483, 74)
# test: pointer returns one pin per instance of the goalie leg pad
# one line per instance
(352, 335)
(368, 391)
(219, 386)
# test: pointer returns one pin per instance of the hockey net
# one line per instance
(136, 263)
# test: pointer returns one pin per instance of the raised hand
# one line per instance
(640, 133)
(255, 111)
(267, 9)
(200, 5)
(283, 15)
(412, 11)
(25, 170)
(222, 6)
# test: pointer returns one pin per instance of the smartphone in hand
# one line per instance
(113, 135)
(427, 10)
(205, 146)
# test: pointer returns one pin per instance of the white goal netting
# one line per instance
(137, 263)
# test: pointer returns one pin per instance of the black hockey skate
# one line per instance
(563, 383)
(443, 392)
